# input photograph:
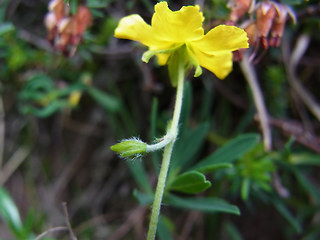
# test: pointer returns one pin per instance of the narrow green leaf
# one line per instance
(245, 189)
(73, 6)
(108, 102)
(313, 234)
(153, 133)
(213, 167)
(307, 185)
(187, 146)
(165, 227)
(291, 2)
(9, 213)
(143, 199)
(282, 209)
(232, 231)
(305, 158)
(229, 152)
(190, 182)
(139, 174)
(45, 111)
(210, 205)
(98, 3)
(6, 27)
(3, 9)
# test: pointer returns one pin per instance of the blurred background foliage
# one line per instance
(59, 115)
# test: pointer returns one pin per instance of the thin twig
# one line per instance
(13, 163)
(190, 222)
(134, 219)
(252, 80)
(65, 209)
(35, 40)
(2, 131)
(200, 3)
(291, 64)
(55, 229)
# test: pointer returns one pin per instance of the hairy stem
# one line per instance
(173, 131)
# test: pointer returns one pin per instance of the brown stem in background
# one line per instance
(2, 131)
(12, 164)
(291, 62)
(55, 229)
(71, 233)
(251, 77)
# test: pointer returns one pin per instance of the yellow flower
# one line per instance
(170, 30)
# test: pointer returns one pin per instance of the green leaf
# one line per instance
(98, 3)
(313, 234)
(6, 27)
(307, 185)
(108, 102)
(245, 189)
(282, 209)
(3, 9)
(187, 146)
(210, 205)
(45, 111)
(165, 227)
(291, 2)
(10, 214)
(190, 182)
(143, 199)
(215, 166)
(153, 134)
(139, 174)
(231, 151)
(73, 6)
(232, 231)
(305, 158)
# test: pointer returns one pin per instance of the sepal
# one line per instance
(130, 148)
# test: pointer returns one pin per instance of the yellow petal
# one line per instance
(220, 63)
(222, 38)
(133, 27)
(177, 26)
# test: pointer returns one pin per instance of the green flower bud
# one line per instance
(130, 148)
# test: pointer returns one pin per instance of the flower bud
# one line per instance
(279, 23)
(265, 15)
(82, 19)
(130, 148)
(59, 8)
(50, 21)
(238, 9)
(251, 30)
(74, 98)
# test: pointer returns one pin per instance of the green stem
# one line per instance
(173, 131)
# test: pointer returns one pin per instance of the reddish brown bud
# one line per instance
(59, 8)
(65, 31)
(82, 20)
(238, 55)
(265, 15)
(51, 25)
(279, 24)
(251, 31)
(238, 9)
